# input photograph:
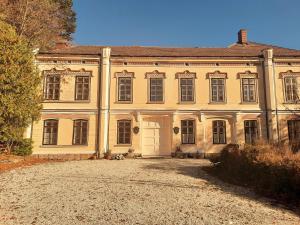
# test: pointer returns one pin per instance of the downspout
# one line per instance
(266, 104)
(106, 63)
(276, 106)
(98, 111)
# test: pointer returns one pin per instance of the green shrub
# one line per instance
(23, 148)
(271, 170)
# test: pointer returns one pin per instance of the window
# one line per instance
(294, 131)
(187, 131)
(217, 90)
(80, 129)
(50, 132)
(251, 133)
(219, 132)
(124, 132)
(187, 89)
(249, 90)
(82, 88)
(156, 89)
(291, 89)
(124, 86)
(52, 87)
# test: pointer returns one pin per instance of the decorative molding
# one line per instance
(247, 74)
(124, 73)
(289, 73)
(67, 62)
(155, 74)
(216, 74)
(68, 71)
(185, 74)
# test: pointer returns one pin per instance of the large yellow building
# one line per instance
(155, 100)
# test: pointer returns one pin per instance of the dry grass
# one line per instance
(271, 170)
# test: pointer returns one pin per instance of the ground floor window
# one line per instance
(50, 132)
(251, 132)
(188, 131)
(80, 129)
(219, 132)
(124, 131)
(294, 130)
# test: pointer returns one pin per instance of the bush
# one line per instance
(273, 171)
(23, 148)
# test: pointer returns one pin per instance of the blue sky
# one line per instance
(190, 23)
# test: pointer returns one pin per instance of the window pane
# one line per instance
(52, 87)
(124, 89)
(50, 132)
(251, 132)
(188, 132)
(80, 132)
(187, 89)
(219, 132)
(217, 90)
(124, 131)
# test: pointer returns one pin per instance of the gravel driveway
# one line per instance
(148, 191)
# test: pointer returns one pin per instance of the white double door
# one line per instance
(156, 136)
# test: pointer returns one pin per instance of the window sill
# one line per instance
(74, 101)
(155, 102)
(186, 103)
(217, 103)
(291, 103)
(123, 102)
(123, 145)
(62, 146)
(249, 103)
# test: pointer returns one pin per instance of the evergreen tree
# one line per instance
(20, 86)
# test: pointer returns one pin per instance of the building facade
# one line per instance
(155, 100)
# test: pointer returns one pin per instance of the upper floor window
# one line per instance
(291, 89)
(188, 131)
(52, 87)
(219, 132)
(249, 89)
(50, 132)
(82, 87)
(186, 89)
(156, 89)
(251, 132)
(80, 130)
(186, 86)
(125, 89)
(217, 90)
(124, 131)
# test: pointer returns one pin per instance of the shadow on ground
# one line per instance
(197, 169)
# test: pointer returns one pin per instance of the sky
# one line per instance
(186, 23)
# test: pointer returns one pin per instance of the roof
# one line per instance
(251, 49)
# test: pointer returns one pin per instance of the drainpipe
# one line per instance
(266, 103)
(276, 105)
(99, 96)
(106, 73)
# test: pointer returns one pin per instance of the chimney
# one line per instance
(61, 44)
(242, 37)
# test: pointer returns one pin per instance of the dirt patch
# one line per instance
(9, 162)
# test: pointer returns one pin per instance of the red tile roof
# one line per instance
(251, 49)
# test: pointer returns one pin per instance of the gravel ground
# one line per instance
(148, 191)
